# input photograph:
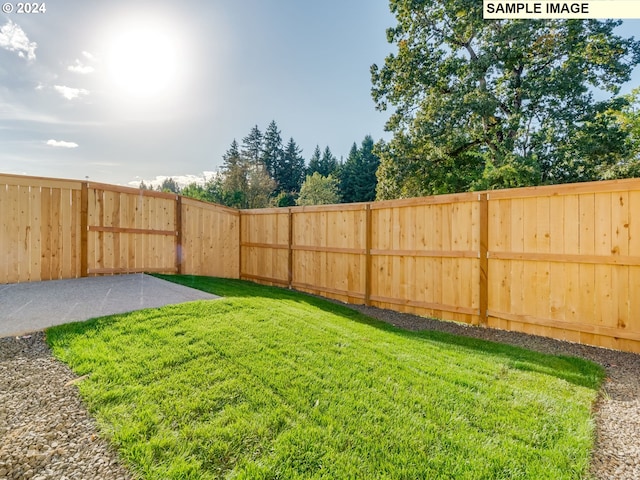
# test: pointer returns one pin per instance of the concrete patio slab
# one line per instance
(29, 307)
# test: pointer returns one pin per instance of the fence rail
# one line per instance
(559, 261)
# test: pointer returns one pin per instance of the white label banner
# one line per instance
(541, 9)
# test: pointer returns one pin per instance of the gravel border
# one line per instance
(47, 432)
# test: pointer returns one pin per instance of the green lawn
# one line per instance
(269, 383)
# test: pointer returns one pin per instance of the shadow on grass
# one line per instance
(575, 370)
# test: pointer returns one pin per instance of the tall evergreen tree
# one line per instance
(169, 185)
(348, 175)
(314, 161)
(358, 179)
(329, 163)
(243, 184)
(325, 163)
(272, 149)
(290, 173)
(252, 146)
(235, 177)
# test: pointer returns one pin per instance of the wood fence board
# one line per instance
(620, 289)
(24, 227)
(76, 234)
(587, 224)
(557, 224)
(571, 224)
(110, 215)
(5, 213)
(66, 231)
(620, 224)
(45, 233)
(602, 227)
(56, 234)
(634, 223)
(634, 300)
(36, 238)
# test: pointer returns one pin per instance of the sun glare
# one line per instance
(143, 61)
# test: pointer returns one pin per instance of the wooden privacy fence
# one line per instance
(55, 229)
(560, 261)
(420, 255)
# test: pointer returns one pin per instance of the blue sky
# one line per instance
(121, 91)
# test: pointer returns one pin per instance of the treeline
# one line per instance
(264, 171)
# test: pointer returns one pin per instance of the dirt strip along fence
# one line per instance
(558, 261)
(54, 229)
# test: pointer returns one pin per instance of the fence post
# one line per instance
(178, 223)
(290, 251)
(84, 230)
(368, 266)
(484, 259)
(240, 244)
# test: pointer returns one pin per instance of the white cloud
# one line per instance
(81, 66)
(13, 38)
(70, 93)
(181, 180)
(62, 144)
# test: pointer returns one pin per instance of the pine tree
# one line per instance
(289, 174)
(348, 175)
(367, 180)
(169, 185)
(324, 163)
(358, 179)
(235, 178)
(272, 149)
(329, 163)
(314, 161)
(252, 146)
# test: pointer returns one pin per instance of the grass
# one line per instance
(272, 384)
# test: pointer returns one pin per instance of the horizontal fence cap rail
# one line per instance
(23, 181)
(607, 186)
(210, 205)
(334, 207)
(431, 200)
(265, 211)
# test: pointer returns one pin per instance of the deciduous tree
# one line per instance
(319, 190)
(493, 103)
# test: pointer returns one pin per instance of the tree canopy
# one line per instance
(498, 103)
(319, 190)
